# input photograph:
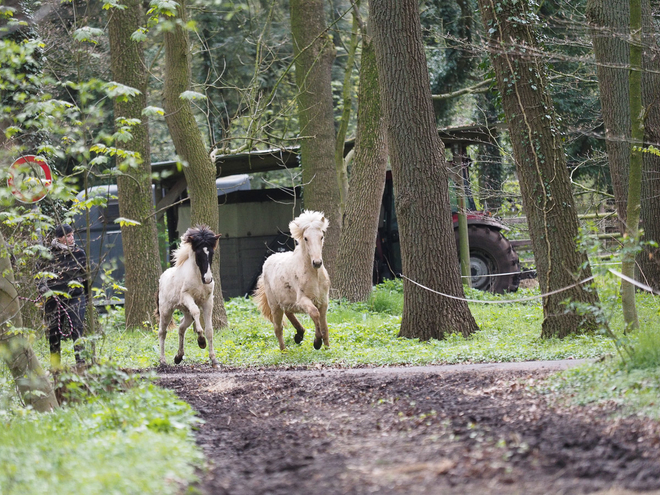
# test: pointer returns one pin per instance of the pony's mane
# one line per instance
(182, 253)
(308, 219)
(194, 236)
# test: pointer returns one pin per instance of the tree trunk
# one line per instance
(540, 163)
(420, 175)
(200, 172)
(636, 163)
(32, 384)
(314, 54)
(649, 259)
(347, 102)
(609, 31)
(355, 263)
(140, 242)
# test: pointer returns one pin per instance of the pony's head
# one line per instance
(203, 242)
(308, 229)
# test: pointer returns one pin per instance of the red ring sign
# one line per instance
(30, 179)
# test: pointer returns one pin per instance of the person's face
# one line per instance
(67, 239)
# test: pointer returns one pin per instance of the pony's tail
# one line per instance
(261, 300)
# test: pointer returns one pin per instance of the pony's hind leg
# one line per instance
(323, 316)
(300, 330)
(185, 323)
(278, 314)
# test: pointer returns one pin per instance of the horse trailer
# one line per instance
(254, 222)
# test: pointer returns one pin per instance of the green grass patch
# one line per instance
(367, 334)
(135, 442)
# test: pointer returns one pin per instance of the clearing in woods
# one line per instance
(441, 429)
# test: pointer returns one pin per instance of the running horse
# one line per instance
(188, 287)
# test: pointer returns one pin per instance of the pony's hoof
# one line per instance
(318, 343)
(298, 338)
(215, 364)
(178, 359)
(202, 342)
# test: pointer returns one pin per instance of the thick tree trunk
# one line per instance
(420, 175)
(140, 242)
(35, 389)
(649, 259)
(610, 29)
(355, 264)
(314, 54)
(200, 172)
(540, 162)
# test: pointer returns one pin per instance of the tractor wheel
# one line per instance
(490, 254)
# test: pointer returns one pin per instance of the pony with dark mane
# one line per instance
(297, 281)
(188, 287)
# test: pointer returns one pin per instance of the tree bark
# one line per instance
(610, 29)
(35, 389)
(314, 53)
(140, 242)
(200, 172)
(636, 162)
(649, 259)
(420, 175)
(355, 263)
(540, 163)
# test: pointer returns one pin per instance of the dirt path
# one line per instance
(443, 429)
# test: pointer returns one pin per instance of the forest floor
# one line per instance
(473, 429)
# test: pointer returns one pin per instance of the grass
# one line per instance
(360, 334)
(135, 442)
(139, 441)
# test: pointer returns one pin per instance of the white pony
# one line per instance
(297, 281)
(188, 286)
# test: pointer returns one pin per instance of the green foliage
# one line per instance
(645, 343)
(136, 441)
(632, 391)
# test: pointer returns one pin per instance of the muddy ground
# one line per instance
(448, 430)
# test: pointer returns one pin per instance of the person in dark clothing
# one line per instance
(65, 316)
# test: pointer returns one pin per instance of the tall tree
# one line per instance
(31, 382)
(200, 172)
(140, 241)
(649, 259)
(354, 274)
(636, 163)
(314, 54)
(610, 28)
(540, 162)
(420, 175)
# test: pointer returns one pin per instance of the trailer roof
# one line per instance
(288, 157)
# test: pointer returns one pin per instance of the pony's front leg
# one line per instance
(185, 323)
(165, 318)
(300, 330)
(315, 315)
(192, 308)
(207, 309)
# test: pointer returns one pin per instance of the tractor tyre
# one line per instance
(491, 254)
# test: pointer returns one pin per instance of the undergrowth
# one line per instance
(136, 440)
